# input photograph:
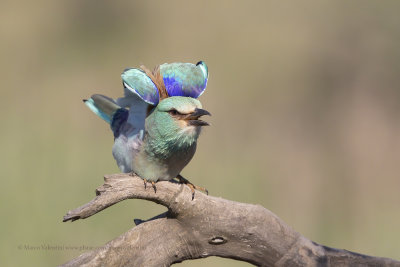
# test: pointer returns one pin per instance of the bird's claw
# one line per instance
(153, 184)
(191, 186)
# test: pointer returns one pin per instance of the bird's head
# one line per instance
(177, 115)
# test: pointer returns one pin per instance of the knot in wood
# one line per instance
(218, 240)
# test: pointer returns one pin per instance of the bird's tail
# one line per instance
(102, 106)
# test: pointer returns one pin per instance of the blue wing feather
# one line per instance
(185, 79)
(180, 79)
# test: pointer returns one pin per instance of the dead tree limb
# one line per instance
(206, 226)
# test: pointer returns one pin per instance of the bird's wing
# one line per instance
(130, 133)
(185, 79)
(180, 79)
(136, 81)
(137, 89)
(137, 112)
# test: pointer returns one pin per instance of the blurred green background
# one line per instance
(305, 103)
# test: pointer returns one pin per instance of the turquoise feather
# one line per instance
(180, 79)
(136, 81)
(102, 106)
(107, 109)
(90, 103)
(185, 79)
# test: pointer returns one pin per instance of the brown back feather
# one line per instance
(157, 79)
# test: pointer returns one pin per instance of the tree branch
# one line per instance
(206, 226)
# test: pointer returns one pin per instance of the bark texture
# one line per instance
(206, 226)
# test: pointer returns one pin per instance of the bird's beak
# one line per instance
(193, 118)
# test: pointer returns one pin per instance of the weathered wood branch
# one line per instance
(206, 226)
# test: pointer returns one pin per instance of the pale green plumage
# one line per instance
(164, 129)
(169, 144)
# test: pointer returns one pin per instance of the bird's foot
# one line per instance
(153, 184)
(191, 186)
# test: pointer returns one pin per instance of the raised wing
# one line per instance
(180, 79)
(136, 81)
(185, 79)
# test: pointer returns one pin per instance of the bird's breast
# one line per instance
(160, 165)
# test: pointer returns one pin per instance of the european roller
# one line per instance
(157, 123)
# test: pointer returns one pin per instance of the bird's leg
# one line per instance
(190, 185)
(132, 173)
(153, 184)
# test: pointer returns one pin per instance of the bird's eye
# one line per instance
(173, 112)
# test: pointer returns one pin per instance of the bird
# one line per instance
(156, 124)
